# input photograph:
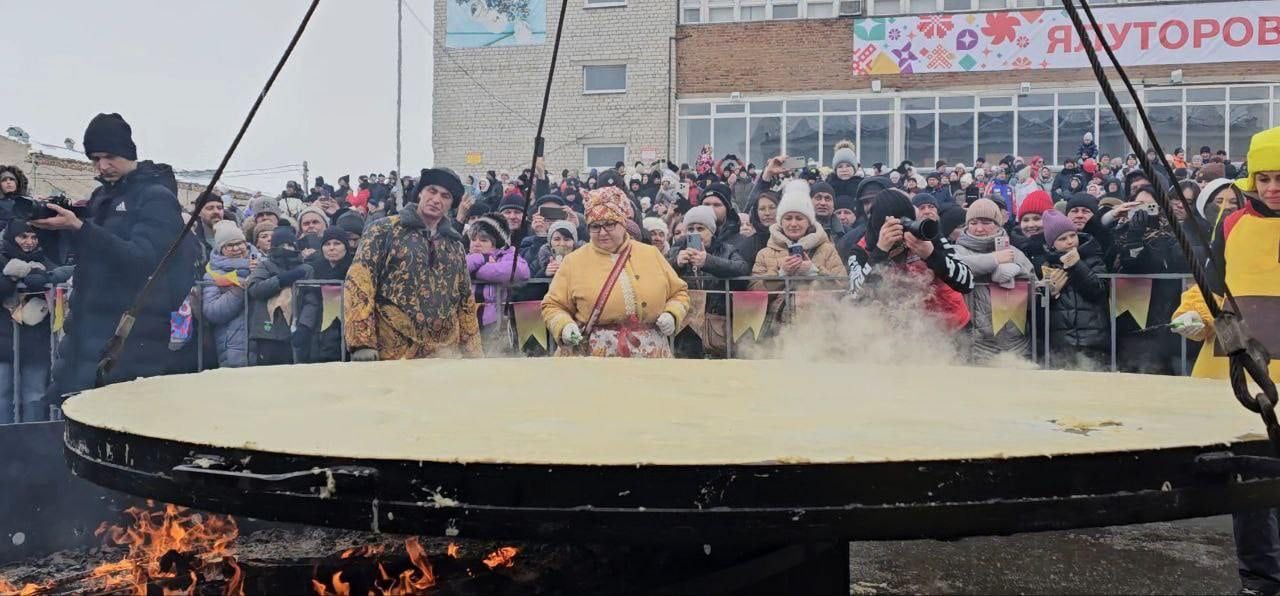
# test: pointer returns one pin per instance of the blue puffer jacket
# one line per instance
(223, 309)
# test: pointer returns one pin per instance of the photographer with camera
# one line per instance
(128, 225)
(703, 258)
(897, 243)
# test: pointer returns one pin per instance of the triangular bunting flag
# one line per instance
(529, 323)
(1133, 295)
(1009, 304)
(749, 309)
(331, 301)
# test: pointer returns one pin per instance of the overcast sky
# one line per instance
(184, 73)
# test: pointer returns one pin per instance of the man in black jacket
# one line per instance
(129, 223)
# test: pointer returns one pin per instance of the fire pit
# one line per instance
(577, 464)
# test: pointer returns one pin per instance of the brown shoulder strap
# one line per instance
(607, 289)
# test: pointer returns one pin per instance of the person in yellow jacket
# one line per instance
(1247, 244)
(644, 307)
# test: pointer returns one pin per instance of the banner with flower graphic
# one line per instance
(1043, 39)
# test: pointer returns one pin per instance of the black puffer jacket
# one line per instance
(129, 225)
(1143, 245)
(749, 246)
(723, 261)
(1078, 317)
(34, 339)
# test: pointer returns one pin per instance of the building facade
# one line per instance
(805, 78)
(919, 80)
(612, 98)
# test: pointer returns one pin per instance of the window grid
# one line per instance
(700, 11)
(1263, 107)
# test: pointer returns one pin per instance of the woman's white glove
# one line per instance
(571, 335)
(667, 324)
(1188, 324)
(17, 268)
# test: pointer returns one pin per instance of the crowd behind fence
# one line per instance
(519, 330)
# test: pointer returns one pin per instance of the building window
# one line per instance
(603, 3)
(610, 78)
(786, 10)
(720, 13)
(753, 12)
(603, 157)
(820, 9)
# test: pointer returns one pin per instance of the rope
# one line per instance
(116, 344)
(539, 145)
(1248, 357)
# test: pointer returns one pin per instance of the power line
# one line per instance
(465, 72)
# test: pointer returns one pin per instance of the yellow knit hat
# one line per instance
(1264, 156)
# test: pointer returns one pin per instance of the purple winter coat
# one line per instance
(490, 276)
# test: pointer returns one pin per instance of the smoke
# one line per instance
(888, 324)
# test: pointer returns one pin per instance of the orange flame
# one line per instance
(153, 534)
(9, 589)
(452, 551)
(503, 557)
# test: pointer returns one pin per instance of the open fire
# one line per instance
(173, 551)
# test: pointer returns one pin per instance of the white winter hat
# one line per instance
(225, 232)
(701, 214)
(1209, 189)
(795, 199)
(654, 223)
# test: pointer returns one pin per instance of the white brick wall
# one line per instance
(466, 119)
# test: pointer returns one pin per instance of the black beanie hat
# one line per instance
(1082, 199)
(719, 189)
(283, 235)
(924, 198)
(334, 233)
(950, 218)
(890, 202)
(822, 187)
(351, 223)
(442, 177)
(848, 202)
(109, 133)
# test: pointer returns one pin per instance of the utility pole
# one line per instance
(306, 178)
(399, 76)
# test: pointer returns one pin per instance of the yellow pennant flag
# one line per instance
(529, 323)
(331, 301)
(696, 319)
(58, 306)
(749, 309)
(1009, 304)
(1133, 295)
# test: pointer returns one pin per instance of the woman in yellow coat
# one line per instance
(1247, 241)
(645, 305)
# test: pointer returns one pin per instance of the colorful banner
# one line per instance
(1206, 33)
(57, 298)
(1009, 304)
(1133, 296)
(331, 305)
(696, 320)
(749, 309)
(494, 23)
(529, 323)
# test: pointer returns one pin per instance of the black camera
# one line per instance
(924, 229)
(30, 209)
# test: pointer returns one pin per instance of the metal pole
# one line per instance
(399, 75)
(1112, 315)
(306, 176)
(17, 373)
(728, 321)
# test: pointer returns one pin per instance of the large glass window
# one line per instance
(731, 137)
(1166, 121)
(1111, 139)
(1206, 125)
(874, 138)
(766, 139)
(602, 157)
(836, 128)
(995, 135)
(955, 137)
(693, 135)
(1246, 121)
(610, 78)
(802, 137)
(1072, 124)
(917, 137)
(1035, 133)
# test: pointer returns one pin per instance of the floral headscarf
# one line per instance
(605, 205)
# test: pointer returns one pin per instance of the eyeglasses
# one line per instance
(603, 227)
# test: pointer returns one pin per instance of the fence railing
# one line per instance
(781, 305)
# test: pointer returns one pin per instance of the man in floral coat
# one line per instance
(407, 294)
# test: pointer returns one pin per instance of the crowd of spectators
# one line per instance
(268, 273)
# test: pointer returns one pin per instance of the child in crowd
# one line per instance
(562, 239)
(490, 265)
(1079, 315)
(228, 270)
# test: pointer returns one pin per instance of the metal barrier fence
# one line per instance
(1038, 311)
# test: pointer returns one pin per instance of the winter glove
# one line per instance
(287, 278)
(666, 324)
(1189, 325)
(364, 355)
(572, 335)
(1005, 274)
(37, 266)
(1138, 222)
(17, 269)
